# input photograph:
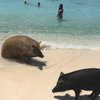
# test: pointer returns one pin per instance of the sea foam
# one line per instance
(50, 45)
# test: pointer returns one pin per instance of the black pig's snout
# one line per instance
(53, 90)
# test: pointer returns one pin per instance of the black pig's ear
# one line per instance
(61, 73)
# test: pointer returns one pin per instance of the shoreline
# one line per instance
(51, 45)
(20, 81)
(57, 45)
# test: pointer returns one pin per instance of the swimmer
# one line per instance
(38, 4)
(60, 11)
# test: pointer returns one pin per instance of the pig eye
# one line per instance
(33, 46)
(60, 81)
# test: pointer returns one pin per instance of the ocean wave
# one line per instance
(50, 45)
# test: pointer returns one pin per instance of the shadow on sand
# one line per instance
(33, 62)
(68, 97)
(37, 63)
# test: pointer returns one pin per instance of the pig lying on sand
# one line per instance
(85, 79)
(21, 47)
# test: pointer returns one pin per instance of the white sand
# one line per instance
(19, 81)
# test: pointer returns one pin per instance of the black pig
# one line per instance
(85, 79)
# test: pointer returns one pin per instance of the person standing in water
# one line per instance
(38, 4)
(25, 2)
(60, 11)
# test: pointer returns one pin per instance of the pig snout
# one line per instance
(37, 53)
(53, 91)
(40, 54)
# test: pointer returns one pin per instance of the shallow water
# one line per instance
(79, 28)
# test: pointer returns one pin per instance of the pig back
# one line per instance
(86, 78)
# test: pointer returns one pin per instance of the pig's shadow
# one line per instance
(32, 62)
(68, 97)
(37, 63)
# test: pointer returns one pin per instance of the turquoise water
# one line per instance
(79, 28)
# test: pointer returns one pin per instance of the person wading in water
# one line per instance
(60, 11)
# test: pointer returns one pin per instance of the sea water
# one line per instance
(79, 28)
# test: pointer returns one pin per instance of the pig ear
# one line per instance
(39, 42)
(61, 73)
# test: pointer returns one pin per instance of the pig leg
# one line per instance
(96, 93)
(27, 59)
(92, 94)
(77, 93)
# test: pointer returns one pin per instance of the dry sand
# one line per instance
(20, 81)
